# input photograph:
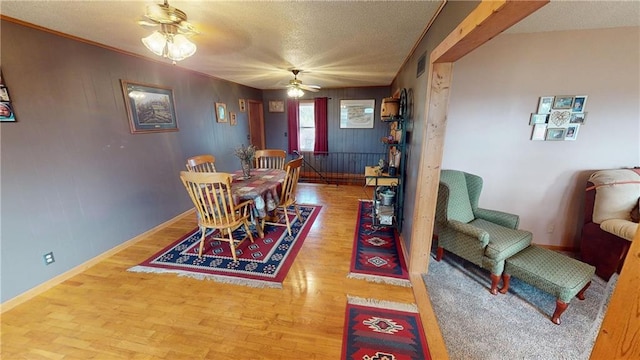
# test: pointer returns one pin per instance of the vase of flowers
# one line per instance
(246, 155)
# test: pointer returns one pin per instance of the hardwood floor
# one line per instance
(107, 312)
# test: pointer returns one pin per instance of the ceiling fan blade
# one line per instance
(312, 88)
(147, 23)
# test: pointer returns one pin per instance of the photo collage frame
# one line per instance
(6, 108)
(558, 117)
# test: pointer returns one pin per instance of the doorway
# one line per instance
(256, 123)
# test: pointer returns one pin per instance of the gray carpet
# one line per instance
(479, 326)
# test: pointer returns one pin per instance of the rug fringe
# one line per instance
(380, 279)
(382, 304)
(217, 278)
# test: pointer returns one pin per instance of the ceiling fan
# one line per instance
(170, 40)
(165, 14)
(296, 87)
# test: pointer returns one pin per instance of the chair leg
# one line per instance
(246, 227)
(580, 295)
(295, 206)
(506, 278)
(495, 279)
(286, 219)
(203, 231)
(561, 306)
(439, 253)
(233, 246)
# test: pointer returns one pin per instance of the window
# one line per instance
(307, 123)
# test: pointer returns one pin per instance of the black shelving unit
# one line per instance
(392, 214)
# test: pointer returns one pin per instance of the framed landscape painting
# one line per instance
(150, 108)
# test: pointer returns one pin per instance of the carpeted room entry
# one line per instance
(479, 326)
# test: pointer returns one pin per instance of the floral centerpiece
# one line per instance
(246, 155)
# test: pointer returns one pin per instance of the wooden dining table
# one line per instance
(263, 187)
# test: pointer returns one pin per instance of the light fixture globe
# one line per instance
(295, 92)
(171, 40)
(155, 42)
(180, 48)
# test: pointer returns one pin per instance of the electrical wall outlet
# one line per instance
(48, 258)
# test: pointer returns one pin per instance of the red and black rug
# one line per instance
(377, 255)
(383, 330)
(263, 263)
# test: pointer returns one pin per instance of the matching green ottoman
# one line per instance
(552, 272)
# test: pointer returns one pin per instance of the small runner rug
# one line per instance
(376, 254)
(383, 330)
(263, 263)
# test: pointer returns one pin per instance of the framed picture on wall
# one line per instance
(150, 108)
(539, 131)
(233, 121)
(357, 114)
(579, 103)
(242, 104)
(578, 118)
(6, 112)
(538, 119)
(563, 102)
(221, 113)
(544, 105)
(276, 106)
(572, 132)
(555, 134)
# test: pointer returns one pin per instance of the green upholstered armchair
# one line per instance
(484, 237)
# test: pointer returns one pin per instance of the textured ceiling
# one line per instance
(257, 43)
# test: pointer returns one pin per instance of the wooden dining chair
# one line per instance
(216, 208)
(202, 163)
(288, 194)
(270, 159)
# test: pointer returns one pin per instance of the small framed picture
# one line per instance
(276, 106)
(578, 118)
(233, 121)
(539, 131)
(572, 132)
(579, 103)
(563, 102)
(4, 93)
(544, 105)
(243, 105)
(221, 113)
(555, 134)
(538, 119)
(6, 112)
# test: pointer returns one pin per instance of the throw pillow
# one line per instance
(635, 212)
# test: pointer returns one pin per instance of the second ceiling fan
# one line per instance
(296, 86)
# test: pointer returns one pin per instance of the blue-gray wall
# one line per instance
(340, 140)
(74, 180)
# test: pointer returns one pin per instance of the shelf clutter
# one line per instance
(388, 177)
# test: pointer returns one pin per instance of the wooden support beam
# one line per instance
(486, 21)
(619, 336)
(430, 161)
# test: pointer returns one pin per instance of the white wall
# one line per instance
(496, 88)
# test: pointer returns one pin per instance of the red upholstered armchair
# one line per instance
(608, 229)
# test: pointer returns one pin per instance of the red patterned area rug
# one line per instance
(377, 255)
(383, 330)
(263, 263)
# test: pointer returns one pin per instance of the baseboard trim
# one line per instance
(39, 289)
(559, 248)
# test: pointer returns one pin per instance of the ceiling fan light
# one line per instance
(180, 48)
(295, 92)
(155, 42)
